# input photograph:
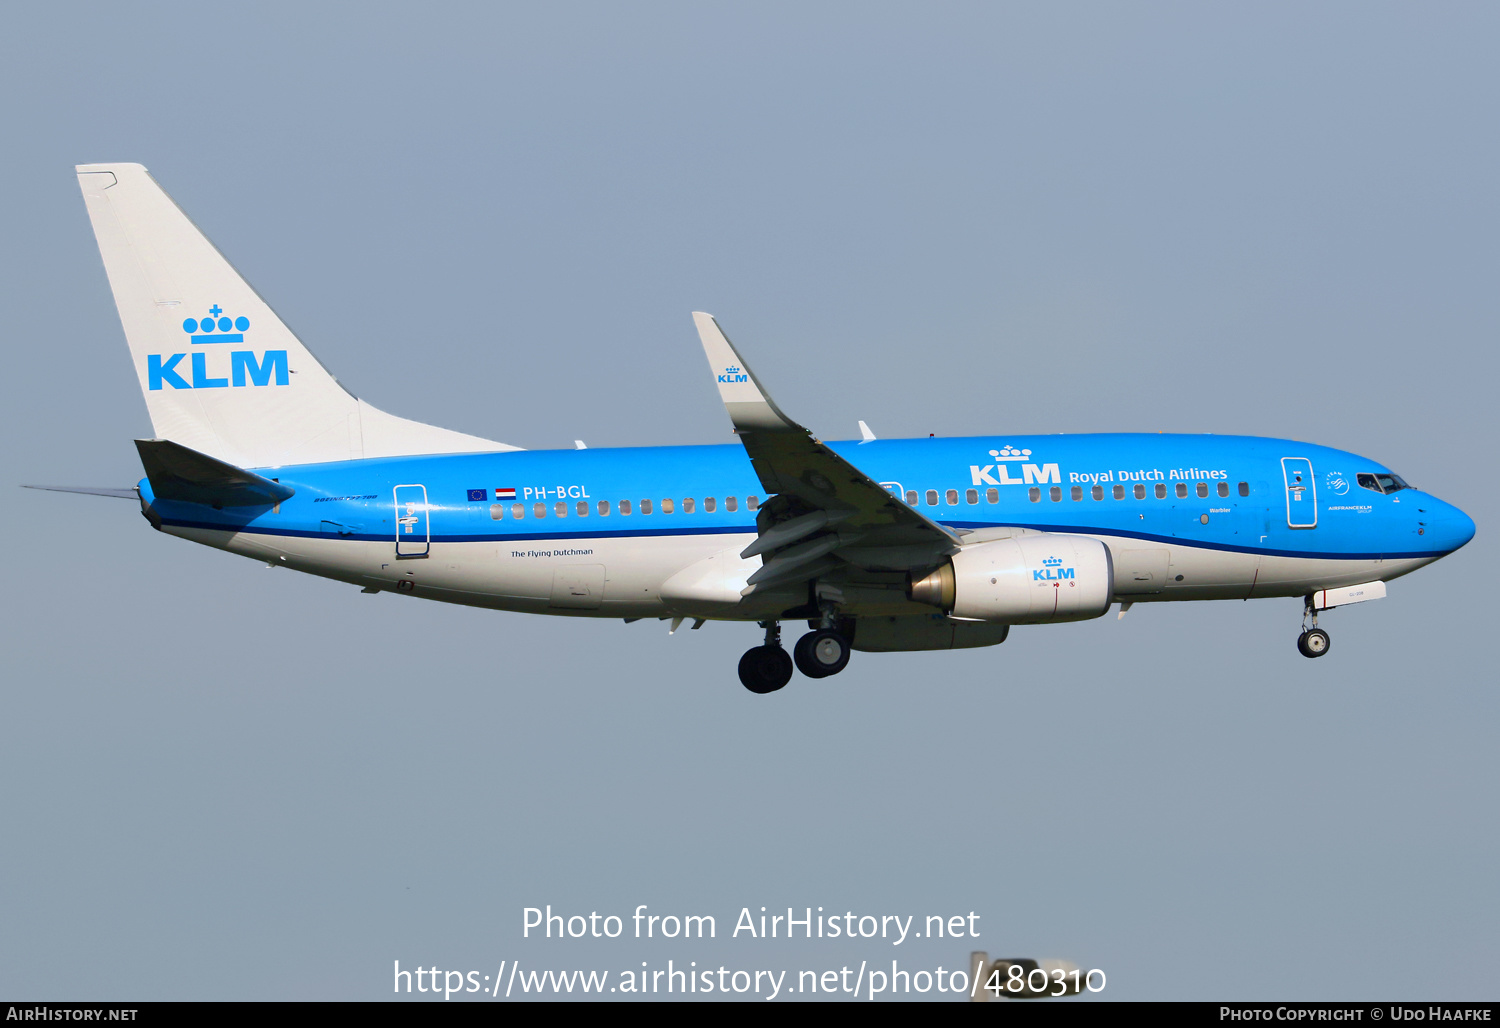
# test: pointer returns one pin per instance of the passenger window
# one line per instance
(1034, 494)
(709, 504)
(687, 504)
(1077, 492)
(992, 496)
(497, 511)
(731, 503)
(911, 497)
(952, 497)
(625, 507)
(1056, 492)
(1161, 490)
(1244, 488)
(1223, 488)
(1140, 492)
(561, 509)
(1119, 492)
(539, 510)
(604, 508)
(752, 503)
(1202, 490)
(932, 497)
(583, 508)
(645, 506)
(1098, 492)
(1182, 490)
(668, 507)
(972, 496)
(518, 510)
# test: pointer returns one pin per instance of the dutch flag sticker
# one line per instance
(504, 494)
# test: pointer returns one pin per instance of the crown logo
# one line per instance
(1011, 453)
(731, 370)
(216, 328)
(1052, 562)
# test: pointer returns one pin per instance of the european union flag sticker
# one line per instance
(476, 495)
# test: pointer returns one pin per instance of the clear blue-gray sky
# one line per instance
(221, 781)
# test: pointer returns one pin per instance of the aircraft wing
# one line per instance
(823, 510)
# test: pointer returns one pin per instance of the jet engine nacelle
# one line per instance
(1027, 580)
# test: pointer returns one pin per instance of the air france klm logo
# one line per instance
(1052, 571)
(245, 367)
(999, 473)
(733, 374)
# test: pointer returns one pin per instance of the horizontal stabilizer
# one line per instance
(123, 494)
(178, 473)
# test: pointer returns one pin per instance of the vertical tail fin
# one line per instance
(221, 374)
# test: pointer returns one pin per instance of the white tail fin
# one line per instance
(220, 372)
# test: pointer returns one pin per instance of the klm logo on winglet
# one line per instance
(1052, 571)
(246, 367)
(733, 374)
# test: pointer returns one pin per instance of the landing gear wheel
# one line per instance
(765, 669)
(1313, 643)
(821, 653)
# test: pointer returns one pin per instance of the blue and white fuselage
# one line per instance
(641, 515)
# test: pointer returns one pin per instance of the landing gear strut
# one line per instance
(1313, 642)
(766, 668)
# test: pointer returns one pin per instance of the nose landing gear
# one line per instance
(1313, 642)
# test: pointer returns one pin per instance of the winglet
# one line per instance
(865, 433)
(750, 409)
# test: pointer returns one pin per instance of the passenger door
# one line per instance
(413, 533)
(1301, 492)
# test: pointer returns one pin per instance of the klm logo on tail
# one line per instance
(1052, 571)
(246, 367)
(733, 374)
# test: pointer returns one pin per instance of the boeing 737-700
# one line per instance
(878, 545)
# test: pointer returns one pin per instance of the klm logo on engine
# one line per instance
(1052, 571)
(733, 374)
(243, 368)
(999, 473)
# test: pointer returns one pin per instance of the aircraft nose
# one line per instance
(1451, 527)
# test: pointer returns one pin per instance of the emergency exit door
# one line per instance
(1301, 492)
(413, 536)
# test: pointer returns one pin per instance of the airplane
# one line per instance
(879, 545)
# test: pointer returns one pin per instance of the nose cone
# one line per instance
(1450, 527)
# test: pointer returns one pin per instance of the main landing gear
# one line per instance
(766, 668)
(819, 653)
(1313, 642)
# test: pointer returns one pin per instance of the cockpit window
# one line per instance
(1382, 483)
